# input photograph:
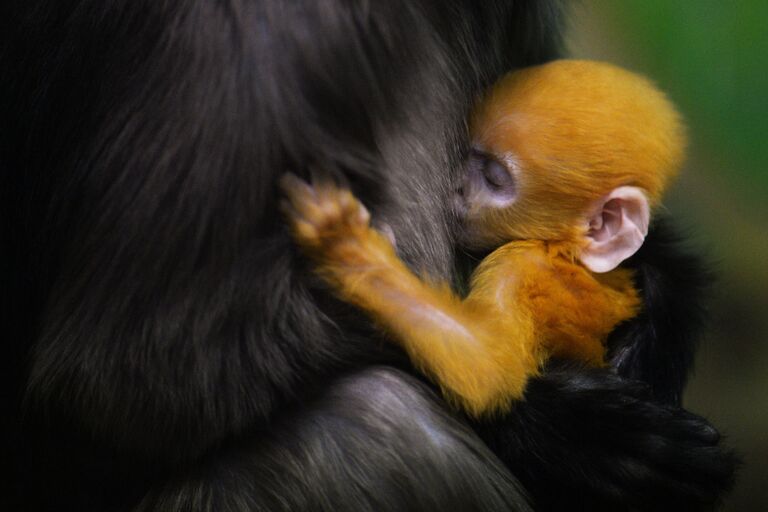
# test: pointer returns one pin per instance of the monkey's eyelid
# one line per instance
(497, 174)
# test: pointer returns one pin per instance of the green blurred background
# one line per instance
(712, 59)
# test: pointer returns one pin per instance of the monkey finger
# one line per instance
(327, 202)
(305, 202)
(301, 230)
(346, 199)
(296, 189)
(286, 180)
(305, 233)
(305, 214)
(363, 216)
(352, 210)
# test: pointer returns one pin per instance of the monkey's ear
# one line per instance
(617, 229)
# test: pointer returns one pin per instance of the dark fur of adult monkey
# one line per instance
(165, 348)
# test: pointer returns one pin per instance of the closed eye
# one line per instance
(492, 175)
(496, 175)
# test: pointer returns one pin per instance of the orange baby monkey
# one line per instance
(568, 160)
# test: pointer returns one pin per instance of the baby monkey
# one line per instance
(568, 160)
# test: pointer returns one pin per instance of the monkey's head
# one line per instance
(571, 151)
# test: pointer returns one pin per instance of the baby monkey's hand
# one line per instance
(321, 215)
(331, 226)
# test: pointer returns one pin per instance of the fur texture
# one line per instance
(164, 348)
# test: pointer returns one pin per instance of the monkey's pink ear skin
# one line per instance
(617, 229)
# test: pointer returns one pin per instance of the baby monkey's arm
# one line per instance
(481, 355)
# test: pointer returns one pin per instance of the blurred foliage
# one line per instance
(715, 62)
(711, 57)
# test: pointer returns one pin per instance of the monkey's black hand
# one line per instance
(590, 440)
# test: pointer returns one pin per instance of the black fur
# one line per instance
(591, 440)
(167, 349)
(658, 347)
(339, 454)
(632, 447)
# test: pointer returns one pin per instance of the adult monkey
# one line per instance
(167, 349)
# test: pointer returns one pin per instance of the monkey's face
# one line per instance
(551, 144)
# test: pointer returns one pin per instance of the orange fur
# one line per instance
(576, 130)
